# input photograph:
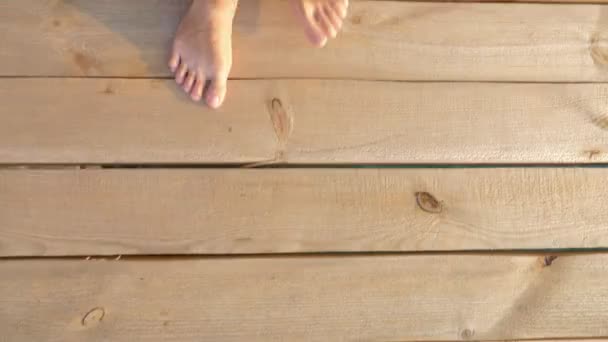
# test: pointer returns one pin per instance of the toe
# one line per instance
(174, 61)
(217, 92)
(333, 17)
(189, 82)
(325, 23)
(181, 73)
(197, 90)
(340, 7)
(306, 14)
(314, 31)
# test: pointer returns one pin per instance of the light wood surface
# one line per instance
(512, 83)
(302, 121)
(128, 121)
(95, 212)
(393, 40)
(381, 298)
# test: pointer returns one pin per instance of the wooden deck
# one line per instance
(435, 174)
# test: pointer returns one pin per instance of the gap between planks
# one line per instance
(546, 256)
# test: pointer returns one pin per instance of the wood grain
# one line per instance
(128, 121)
(390, 40)
(389, 298)
(108, 212)
(302, 122)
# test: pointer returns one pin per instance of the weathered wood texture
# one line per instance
(302, 121)
(389, 298)
(97, 212)
(393, 40)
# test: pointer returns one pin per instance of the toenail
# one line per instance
(215, 101)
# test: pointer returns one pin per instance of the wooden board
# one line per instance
(393, 40)
(388, 298)
(302, 121)
(105, 212)
(127, 121)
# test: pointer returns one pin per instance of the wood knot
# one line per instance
(467, 334)
(282, 123)
(592, 153)
(428, 203)
(548, 260)
(86, 63)
(600, 120)
(355, 19)
(108, 90)
(93, 317)
(276, 105)
(279, 119)
(598, 53)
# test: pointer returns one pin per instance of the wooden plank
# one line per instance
(128, 121)
(302, 121)
(108, 212)
(392, 40)
(382, 298)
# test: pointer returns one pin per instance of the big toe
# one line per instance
(216, 93)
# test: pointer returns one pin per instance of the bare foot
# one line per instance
(202, 50)
(322, 19)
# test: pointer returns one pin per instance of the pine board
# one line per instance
(220, 211)
(302, 122)
(388, 40)
(380, 298)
